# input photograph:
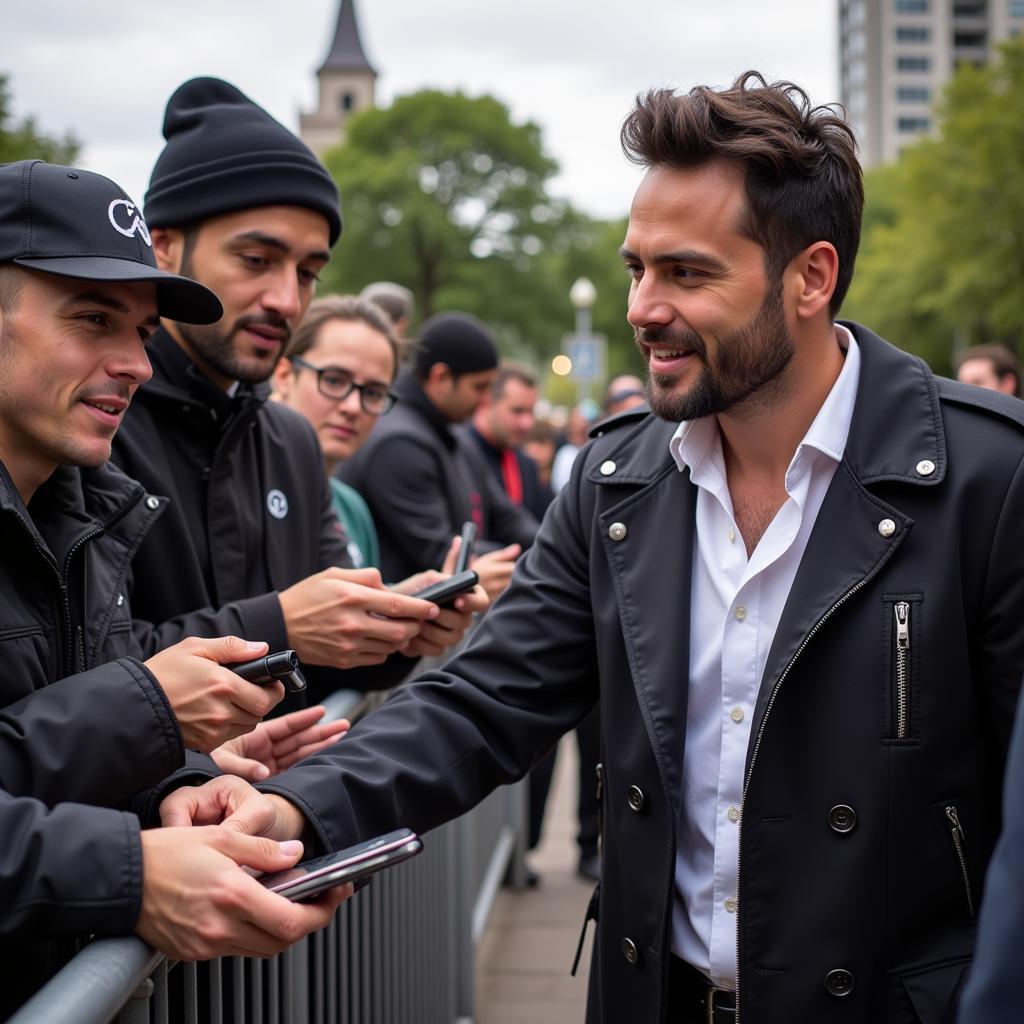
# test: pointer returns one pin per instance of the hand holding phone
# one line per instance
(311, 877)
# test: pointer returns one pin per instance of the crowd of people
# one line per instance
(771, 587)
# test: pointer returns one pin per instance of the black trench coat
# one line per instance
(871, 801)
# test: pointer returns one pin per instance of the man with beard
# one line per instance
(250, 543)
(794, 591)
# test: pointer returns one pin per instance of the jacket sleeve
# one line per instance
(96, 737)
(72, 870)
(440, 744)
(254, 618)
(405, 489)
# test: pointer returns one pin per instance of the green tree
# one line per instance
(942, 257)
(21, 140)
(434, 186)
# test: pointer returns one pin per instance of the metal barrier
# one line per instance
(401, 951)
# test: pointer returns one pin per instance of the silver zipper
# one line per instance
(753, 757)
(956, 830)
(902, 610)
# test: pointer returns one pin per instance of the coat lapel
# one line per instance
(651, 569)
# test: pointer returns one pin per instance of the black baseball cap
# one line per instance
(66, 221)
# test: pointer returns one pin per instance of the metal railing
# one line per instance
(399, 952)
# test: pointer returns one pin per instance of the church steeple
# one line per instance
(346, 52)
(346, 80)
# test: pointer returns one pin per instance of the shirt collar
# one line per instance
(696, 441)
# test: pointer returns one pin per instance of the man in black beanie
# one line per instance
(435, 481)
(249, 543)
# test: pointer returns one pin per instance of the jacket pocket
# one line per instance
(933, 990)
(901, 653)
(958, 841)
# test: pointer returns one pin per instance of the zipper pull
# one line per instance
(954, 821)
(902, 609)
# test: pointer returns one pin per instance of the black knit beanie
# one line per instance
(225, 153)
(459, 340)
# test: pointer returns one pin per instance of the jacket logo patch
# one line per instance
(277, 503)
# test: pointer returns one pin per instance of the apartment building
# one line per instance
(896, 55)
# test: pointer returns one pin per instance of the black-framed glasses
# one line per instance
(338, 384)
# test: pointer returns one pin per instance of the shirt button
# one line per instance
(617, 531)
(152, 503)
(740, 613)
(733, 814)
(925, 467)
(731, 904)
(607, 468)
(886, 527)
(736, 714)
(732, 535)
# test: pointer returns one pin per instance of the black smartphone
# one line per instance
(445, 591)
(468, 536)
(283, 666)
(311, 877)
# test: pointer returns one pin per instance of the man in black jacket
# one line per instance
(82, 719)
(435, 480)
(250, 543)
(794, 590)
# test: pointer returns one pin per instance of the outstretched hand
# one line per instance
(275, 745)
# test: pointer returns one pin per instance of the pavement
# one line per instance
(523, 960)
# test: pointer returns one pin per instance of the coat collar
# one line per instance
(896, 426)
(177, 379)
(412, 396)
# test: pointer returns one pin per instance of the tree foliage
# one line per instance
(22, 140)
(449, 196)
(942, 254)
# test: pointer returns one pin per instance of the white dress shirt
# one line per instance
(735, 607)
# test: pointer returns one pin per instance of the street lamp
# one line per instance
(585, 348)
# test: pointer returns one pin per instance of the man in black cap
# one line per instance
(80, 295)
(435, 481)
(250, 543)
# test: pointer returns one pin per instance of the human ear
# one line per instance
(816, 272)
(168, 248)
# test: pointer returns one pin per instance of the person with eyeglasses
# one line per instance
(337, 372)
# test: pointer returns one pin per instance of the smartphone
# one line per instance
(311, 877)
(468, 536)
(445, 591)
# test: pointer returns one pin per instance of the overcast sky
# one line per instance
(104, 68)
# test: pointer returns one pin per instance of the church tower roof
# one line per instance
(346, 52)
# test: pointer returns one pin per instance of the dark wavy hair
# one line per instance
(802, 177)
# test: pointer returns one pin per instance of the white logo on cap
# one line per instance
(277, 503)
(137, 226)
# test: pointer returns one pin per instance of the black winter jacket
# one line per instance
(422, 482)
(102, 733)
(871, 790)
(250, 514)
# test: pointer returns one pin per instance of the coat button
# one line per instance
(842, 818)
(925, 467)
(629, 951)
(152, 502)
(839, 983)
(886, 527)
(617, 531)
(607, 468)
(635, 797)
